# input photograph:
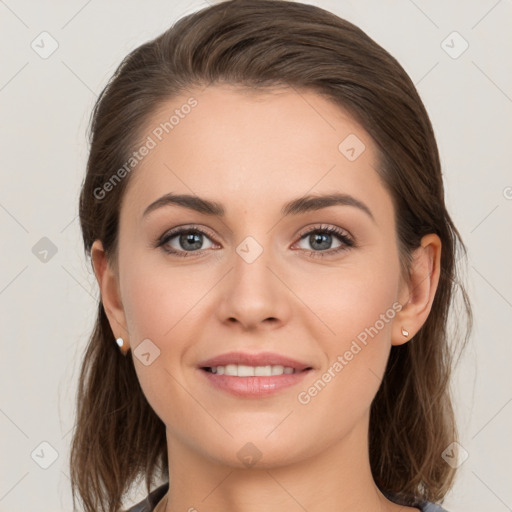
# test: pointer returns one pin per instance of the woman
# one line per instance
(264, 211)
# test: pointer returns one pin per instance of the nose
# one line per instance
(253, 295)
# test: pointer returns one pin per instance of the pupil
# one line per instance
(322, 238)
(193, 238)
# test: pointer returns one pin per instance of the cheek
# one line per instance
(156, 298)
(358, 305)
(351, 299)
(163, 305)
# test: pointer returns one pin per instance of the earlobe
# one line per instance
(422, 286)
(109, 290)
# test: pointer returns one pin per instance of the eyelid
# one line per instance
(176, 230)
(325, 227)
(346, 240)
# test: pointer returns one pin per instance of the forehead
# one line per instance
(254, 147)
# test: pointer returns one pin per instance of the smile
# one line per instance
(242, 370)
(253, 381)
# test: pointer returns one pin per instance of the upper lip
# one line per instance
(259, 359)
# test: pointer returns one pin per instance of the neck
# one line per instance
(335, 478)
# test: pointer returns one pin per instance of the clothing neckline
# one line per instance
(155, 496)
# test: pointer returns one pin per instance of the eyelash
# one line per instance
(347, 241)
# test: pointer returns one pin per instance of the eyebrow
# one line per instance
(297, 206)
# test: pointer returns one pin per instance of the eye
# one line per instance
(184, 241)
(321, 239)
(189, 241)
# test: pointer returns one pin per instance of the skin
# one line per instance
(253, 152)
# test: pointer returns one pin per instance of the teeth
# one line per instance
(242, 370)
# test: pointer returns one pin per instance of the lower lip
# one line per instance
(254, 386)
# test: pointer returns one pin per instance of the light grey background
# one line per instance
(47, 308)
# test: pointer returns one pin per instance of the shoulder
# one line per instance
(423, 506)
(427, 506)
(150, 502)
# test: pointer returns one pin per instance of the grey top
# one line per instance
(152, 499)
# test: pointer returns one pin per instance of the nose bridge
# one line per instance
(252, 293)
(251, 275)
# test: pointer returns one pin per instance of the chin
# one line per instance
(257, 451)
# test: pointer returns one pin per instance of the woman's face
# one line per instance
(259, 277)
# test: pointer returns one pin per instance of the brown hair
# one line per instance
(264, 44)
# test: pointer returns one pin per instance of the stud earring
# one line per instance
(120, 343)
(405, 332)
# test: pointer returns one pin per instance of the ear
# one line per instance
(108, 282)
(417, 295)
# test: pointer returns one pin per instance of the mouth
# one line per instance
(243, 382)
(242, 370)
(253, 375)
(246, 364)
